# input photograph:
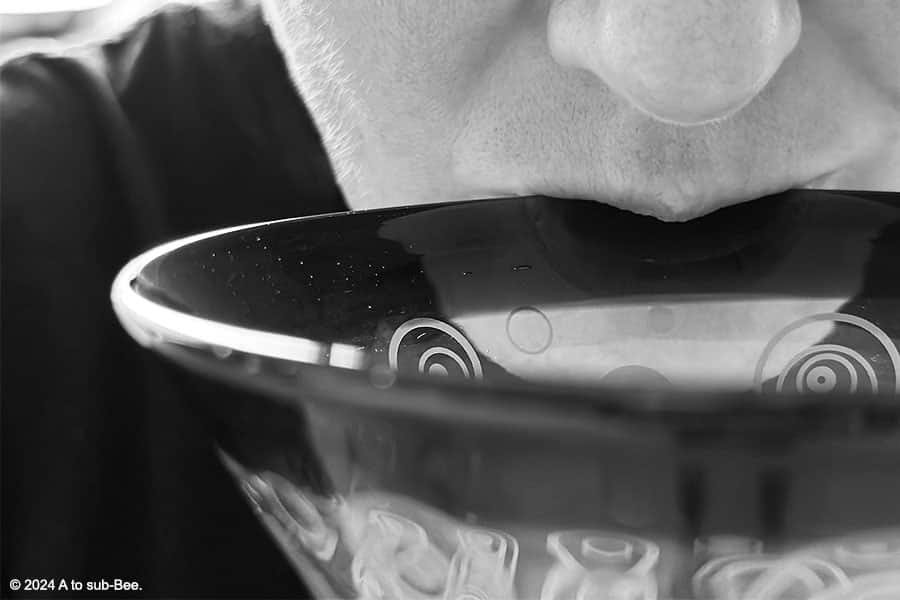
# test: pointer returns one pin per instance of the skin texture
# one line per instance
(663, 107)
(704, 61)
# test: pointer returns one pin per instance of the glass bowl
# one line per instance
(544, 399)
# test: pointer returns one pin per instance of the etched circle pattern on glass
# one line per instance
(833, 368)
(433, 347)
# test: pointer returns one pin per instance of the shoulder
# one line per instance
(180, 49)
(49, 146)
(187, 113)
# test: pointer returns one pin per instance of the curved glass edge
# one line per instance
(154, 326)
(306, 564)
(150, 323)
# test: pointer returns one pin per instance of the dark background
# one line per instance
(183, 122)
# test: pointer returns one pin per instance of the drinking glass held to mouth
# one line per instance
(671, 108)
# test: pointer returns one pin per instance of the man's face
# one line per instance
(665, 107)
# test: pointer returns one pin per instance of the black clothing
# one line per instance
(186, 123)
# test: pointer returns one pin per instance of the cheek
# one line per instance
(522, 107)
(421, 56)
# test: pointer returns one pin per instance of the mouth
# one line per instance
(825, 181)
(659, 189)
(680, 202)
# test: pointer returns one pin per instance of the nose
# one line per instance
(680, 61)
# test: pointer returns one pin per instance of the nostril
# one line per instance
(681, 61)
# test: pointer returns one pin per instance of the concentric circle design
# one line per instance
(429, 346)
(832, 368)
(433, 367)
(828, 368)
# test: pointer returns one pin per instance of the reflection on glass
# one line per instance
(397, 561)
(877, 586)
(600, 566)
(827, 368)
(295, 513)
(743, 577)
(858, 568)
(433, 347)
(878, 554)
(484, 566)
(397, 558)
(715, 546)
